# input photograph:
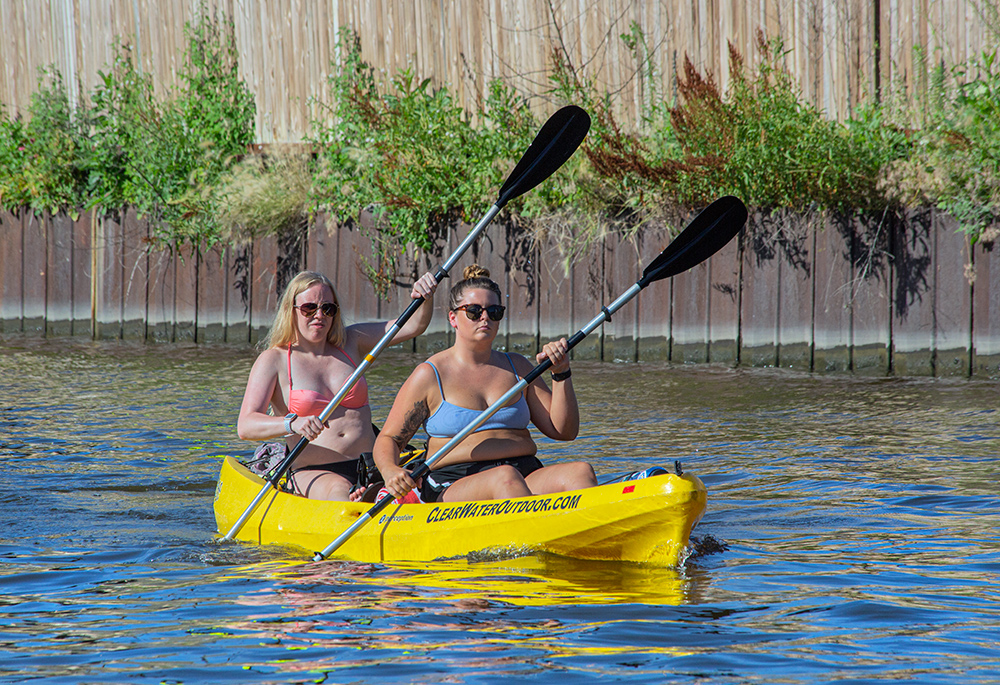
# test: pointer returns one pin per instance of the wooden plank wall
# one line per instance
(868, 295)
(839, 50)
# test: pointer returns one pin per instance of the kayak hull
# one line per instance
(646, 521)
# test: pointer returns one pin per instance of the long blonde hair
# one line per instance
(473, 277)
(283, 330)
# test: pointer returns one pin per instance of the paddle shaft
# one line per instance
(442, 273)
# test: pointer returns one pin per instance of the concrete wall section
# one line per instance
(263, 285)
(952, 299)
(213, 296)
(11, 290)
(186, 294)
(689, 315)
(437, 335)
(832, 283)
(135, 276)
(986, 311)
(795, 255)
(621, 271)
(521, 262)
(82, 288)
(761, 291)
(160, 294)
(238, 260)
(555, 292)
(653, 304)
(724, 304)
(870, 294)
(109, 278)
(589, 293)
(913, 312)
(34, 263)
(59, 276)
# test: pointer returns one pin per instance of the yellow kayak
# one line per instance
(648, 521)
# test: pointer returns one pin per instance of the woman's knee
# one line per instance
(507, 482)
(585, 473)
(506, 474)
(576, 475)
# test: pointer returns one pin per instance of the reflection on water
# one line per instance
(544, 580)
(858, 518)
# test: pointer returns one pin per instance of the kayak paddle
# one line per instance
(557, 140)
(708, 233)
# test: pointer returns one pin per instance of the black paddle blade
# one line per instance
(555, 143)
(715, 226)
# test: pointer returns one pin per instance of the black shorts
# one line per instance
(439, 480)
(347, 469)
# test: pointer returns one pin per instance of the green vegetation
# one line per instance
(953, 159)
(165, 157)
(759, 142)
(43, 160)
(409, 155)
(410, 158)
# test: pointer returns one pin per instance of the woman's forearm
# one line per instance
(564, 411)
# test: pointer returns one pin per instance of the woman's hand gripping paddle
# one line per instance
(556, 142)
(708, 233)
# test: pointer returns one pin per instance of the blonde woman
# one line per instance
(448, 391)
(309, 354)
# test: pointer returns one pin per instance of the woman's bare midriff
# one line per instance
(500, 443)
(347, 437)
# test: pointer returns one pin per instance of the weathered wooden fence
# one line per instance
(840, 51)
(864, 294)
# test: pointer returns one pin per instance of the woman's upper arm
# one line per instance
(260, 385)
(367, 335)
(411, 406)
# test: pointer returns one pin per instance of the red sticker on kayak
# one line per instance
(628, 488)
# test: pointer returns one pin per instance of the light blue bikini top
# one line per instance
(449, 419)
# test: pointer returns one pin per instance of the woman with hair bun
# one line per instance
(309, 354)
(448, 391)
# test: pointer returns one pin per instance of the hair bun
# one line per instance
(475, 271)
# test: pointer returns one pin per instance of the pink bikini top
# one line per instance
(312, 403)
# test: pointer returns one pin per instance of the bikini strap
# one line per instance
(511, 362)
(289, 371)
(438, 376)
(348, 356)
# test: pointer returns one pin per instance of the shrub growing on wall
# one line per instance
(165, 157)
(43, 159)
(128, 148)
(954, 160)
(406, 153)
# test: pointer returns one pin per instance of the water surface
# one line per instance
(856, 519)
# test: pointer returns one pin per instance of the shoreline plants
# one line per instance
(400, 158)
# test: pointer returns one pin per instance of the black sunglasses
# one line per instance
(309, 308)
(474, 311)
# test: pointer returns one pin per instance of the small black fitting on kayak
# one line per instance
(677, 467)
